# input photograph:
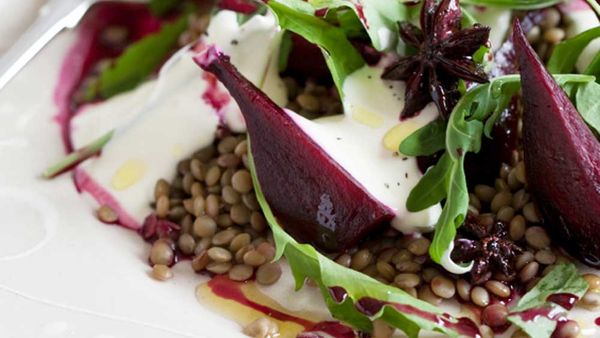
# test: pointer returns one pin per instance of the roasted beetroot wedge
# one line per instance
(562, 158)
(311, 195)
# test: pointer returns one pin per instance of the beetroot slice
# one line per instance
(562, 158)
(311, 195)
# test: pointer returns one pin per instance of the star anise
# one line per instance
(444, 55)
(488, 246)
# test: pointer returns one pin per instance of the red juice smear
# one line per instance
(597, 321)
(85, 183)
(88, 50)
(566, 300)
(328, 329)
(463, 326)
(228, 289)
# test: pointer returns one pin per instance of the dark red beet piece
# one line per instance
(312, 196)
(562, 158)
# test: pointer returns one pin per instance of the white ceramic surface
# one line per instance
(62, 273)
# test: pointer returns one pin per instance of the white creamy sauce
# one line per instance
(355, 140)
(166, 120)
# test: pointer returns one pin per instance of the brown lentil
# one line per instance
(480, 296)
(161, 253)
(419, 246)
(162, 206)
(429, 273)
(570, 329)
(266, 249)
(213, 175)
(107, 215)
(494, 315)
(219, 254)
(186, 243)
(268, 273)
(239, 214)
(520, 199)
(537, 237)
(381, 329)
(204, 226)
(385, 270)
(361, 259)
(239, 241)
(529, 272)
(308, 102)
(485, 193)
(251, 202)
(223, 238)
(497, 288)
(407, 280)
(464, 289)
(212, 205)
(408, 266)
(524, 259)
(502, 199)
(443, 287)
(162, 188)
(554, 35)
(258, 221)
(218, 268)
(530, 213)
(402, 256)
(344, 260)
(230, 196)
(241, 149)
(517, 228)
(227, 145)
(593, 281)
(254, 258)
(161, 272)
(242, 181)
(241, 272)
(426, 294)
(546, 257)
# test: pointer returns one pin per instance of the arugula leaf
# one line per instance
(298, 17)
(563, 279)
(474, 114)
(588, 104)
(306, 262)
(513, 4)
(425, 141)
(140, 60)
(565, 54)
(379, 17)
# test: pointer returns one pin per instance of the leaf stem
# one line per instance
(77, 156)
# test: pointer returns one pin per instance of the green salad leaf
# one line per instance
(140, 60)
(379, 17)
(563, 279)
(587, 100)
(298, 16)
(513, 4)
(307, 263)
(594, 68)
(474, 115)
(565, 54)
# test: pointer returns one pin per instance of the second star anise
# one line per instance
(444, 55)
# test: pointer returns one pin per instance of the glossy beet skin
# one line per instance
(562, 158)
(311, 195)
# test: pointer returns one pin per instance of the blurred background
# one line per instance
(15, 17)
